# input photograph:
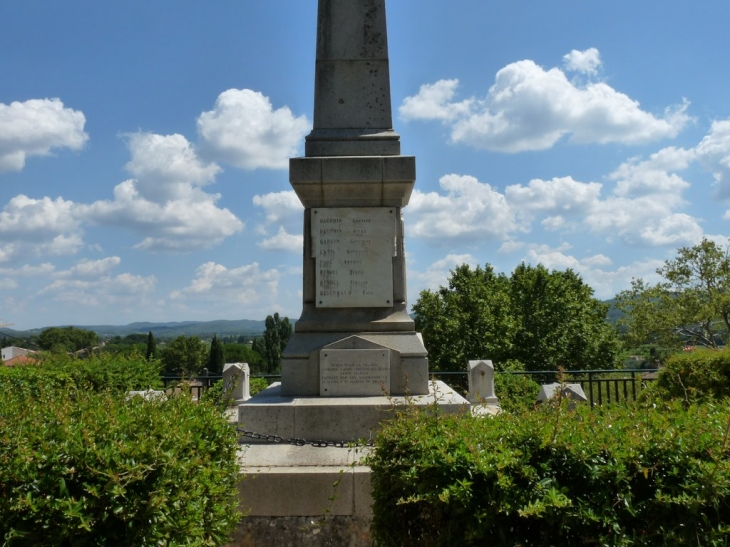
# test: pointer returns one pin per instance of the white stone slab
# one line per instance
(354, 372)
(353, 248)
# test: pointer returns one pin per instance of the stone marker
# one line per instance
(572, 392)
(236, 377)
(481, 383)
(147, 395)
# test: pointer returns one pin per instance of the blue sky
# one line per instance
(144, 146)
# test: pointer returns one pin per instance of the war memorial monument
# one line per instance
(355, 355)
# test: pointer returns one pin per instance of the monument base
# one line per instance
(348, 419)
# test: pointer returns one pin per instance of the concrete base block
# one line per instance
(338, 531)
(335, 418)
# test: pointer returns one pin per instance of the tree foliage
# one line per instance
(216, 356)
(538, 318)
(64, 339)
(272, 344)
(690, 306)
(185, 355)
(151, 351)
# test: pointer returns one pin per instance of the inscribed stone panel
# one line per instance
(354, 372)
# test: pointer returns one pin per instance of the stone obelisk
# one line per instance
(354, 337)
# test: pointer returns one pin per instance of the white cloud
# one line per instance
(167, 167)
(436, 274)
(593, 269)
(27, 270)
(244, 130)
(283, 241)
(280, 206)
(34, 227)
(469, 210)
(586, 61)
(433, 102)
(653, 176)
(559, 197)
(122, 290)
(714, 153)
(166, 203)
(530, 108)
(91, 268)
(34, 128)
(247, 284)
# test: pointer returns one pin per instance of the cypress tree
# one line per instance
(151, 352)
(217, 357)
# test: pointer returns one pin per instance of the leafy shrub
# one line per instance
(257, 385)
(701, 374)
(516, 392)
(97, 373)
(90, 468)
(615, 475)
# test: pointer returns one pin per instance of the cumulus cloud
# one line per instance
(247, 284)
(559, 197)
(86, 268)
(283, 241)
(35, 128)
(283, 212)
(586, 61)
(121, 290)
(530, 108)
(596, 270)
(714, 153)
(243, 129)
(434, 102)
(436, 274)
(468, 209)
(36, 227)
(166, 202)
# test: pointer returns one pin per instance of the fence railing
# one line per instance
(600, 386)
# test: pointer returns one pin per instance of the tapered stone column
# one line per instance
(353, 183)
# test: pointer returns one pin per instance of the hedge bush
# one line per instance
(611, 476)
(700, 374)
(98, 373)
(85, 468)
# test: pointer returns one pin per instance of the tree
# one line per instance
(151, 351)
(469, 319)
(277, 334)
(216, 357)
(558, 322)
(67, 339)
(539, 318)
(690, 306)
(185, 355)
(242, 353)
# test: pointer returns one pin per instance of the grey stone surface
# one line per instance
(572, 392)
(481, 382)
(330, 531)
(237, 378)
(353, 248)
(147, 395)
(353, 372)
(335, 418)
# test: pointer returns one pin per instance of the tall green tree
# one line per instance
(272, 344)
(558, 322)
(151, 351)
(185, 355)
(216, 356)
(67, 339)
(468, 319)
(690, 305)
(536, 318)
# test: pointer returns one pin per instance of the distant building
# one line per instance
(16, 356)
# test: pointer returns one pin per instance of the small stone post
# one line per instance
(481, 383)
(237, 377)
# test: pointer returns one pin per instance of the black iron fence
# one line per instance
(600, 386)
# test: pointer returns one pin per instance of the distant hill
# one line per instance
(163, 330)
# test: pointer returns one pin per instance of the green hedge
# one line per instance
(85, 468)
(98, 373)
(612, 476)
(700, 374)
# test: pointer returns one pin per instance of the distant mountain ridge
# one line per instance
(165, 330)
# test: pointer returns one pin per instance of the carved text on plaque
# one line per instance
(353, 249)
(354, 372)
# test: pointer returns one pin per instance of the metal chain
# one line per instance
(299, 442)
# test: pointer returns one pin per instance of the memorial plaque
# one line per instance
(354, 372)
(354, 249)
